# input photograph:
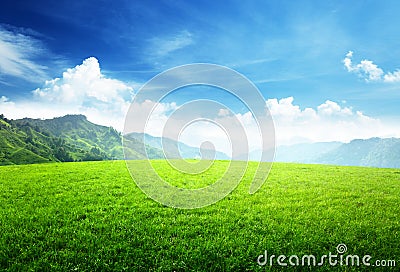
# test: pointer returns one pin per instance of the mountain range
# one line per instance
(175, 149)
(374, 152)
(74, 138)
(62, 139)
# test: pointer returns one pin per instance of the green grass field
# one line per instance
(90, 216)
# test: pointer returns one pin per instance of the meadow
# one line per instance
(91, 216)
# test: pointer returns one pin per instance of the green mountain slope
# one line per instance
(68, 138)
(375, 152)
(27, 145)
(103, 142)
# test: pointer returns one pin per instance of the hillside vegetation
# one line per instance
(63, 139)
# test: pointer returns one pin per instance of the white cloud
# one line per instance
(348, 62)
(159, 113)
(283, 107)
(392, 76)
(83, 81)
(17, 52)
(3, 99)
(368, 70)
(82, 89)
(328, 122)
(199, 132)
(330, 108)
(223, 112)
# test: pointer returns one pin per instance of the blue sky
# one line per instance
(287, 48)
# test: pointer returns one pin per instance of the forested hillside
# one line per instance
(62, 139)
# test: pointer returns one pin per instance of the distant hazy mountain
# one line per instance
(375, 152)
(305, 153)
(171, 146)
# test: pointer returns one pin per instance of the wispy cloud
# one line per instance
(162, 46)
(252, 62)
(368, 70)
(17, 53)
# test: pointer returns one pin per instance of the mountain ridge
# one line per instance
(372, 152)
(61, 139)
(171, 147)
(74, 138)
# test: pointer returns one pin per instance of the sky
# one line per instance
(328, 70)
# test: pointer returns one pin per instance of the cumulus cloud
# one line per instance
(85, 81)
(392, 76)
(368, 70)
(17, 54)
(155, 122)
(81, 90)
(330, 108)
(203, 131)
(327, 122)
